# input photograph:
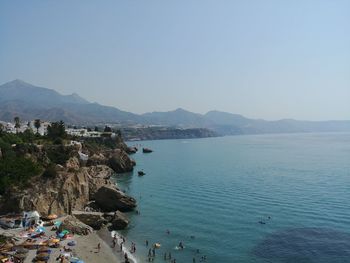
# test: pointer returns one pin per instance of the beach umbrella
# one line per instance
(72, 243)
(22, 250)
(52, 216)
(57, 223)
(43, 249)
(40, 229)
(65, 232)
(43, 255)
(21, 256)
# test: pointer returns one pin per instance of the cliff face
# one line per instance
(66, 192)
(72, 188)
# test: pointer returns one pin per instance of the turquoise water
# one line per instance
(218, 189)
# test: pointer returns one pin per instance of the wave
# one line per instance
(124, 249)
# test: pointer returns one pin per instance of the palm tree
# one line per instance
(37, 125)
(17, 123)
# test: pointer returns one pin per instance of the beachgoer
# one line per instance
(150, 252)
(168, 232)
(169, 255)
(146, 243)
(197, 251)
(194, 260)
(121, 246)
(153, 252)
(181, 246)
(114, 242)
(98, 247)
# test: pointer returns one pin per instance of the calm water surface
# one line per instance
(218, 189)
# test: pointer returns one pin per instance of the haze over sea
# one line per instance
(218, 189)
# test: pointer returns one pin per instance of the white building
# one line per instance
(82, 132)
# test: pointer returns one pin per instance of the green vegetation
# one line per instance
(21, 160)
(16, 170)
(26, 155)
(58, 154)
(50, 171)
(37, 124)
(56, 130)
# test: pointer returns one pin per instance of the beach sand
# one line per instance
(85, 249)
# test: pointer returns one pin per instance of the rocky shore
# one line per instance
(77, 185)
(80, 191)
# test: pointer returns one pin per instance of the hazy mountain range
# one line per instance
(18, 98)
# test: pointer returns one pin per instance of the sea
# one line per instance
(255, 198)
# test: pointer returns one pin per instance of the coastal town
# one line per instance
(40, 127)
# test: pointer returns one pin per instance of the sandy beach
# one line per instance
(85, 248)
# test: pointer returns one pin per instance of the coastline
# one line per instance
(85, 248)
(106, 237)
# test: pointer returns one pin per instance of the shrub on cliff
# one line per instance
(16, 171)
(50, 171)
(56, 130)
(59, 154)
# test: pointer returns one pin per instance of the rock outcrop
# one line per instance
(117, 159)
(93, 219)
(73, 184)
(109, 199)
(120, 162)
(66, 192)
(119, 221)
(73, 163)
(73, 225)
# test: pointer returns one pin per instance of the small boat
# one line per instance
(141, 173)
(146, 150)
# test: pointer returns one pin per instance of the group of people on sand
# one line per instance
(121, 245)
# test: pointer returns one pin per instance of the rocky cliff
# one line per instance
(72, 188)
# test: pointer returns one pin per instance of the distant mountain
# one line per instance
(178, 117)
(21, 91)
(18, 98)
(227, 123)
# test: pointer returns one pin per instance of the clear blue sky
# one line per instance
(267, 59)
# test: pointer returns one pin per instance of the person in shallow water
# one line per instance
(181, 246)
(146, 243)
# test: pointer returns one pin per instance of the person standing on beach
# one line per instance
(154, 252)
(169, 255)
(146, 243)
(149, 253)
(98, 247)
(126, 258)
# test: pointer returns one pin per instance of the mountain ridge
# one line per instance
(18, 98)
